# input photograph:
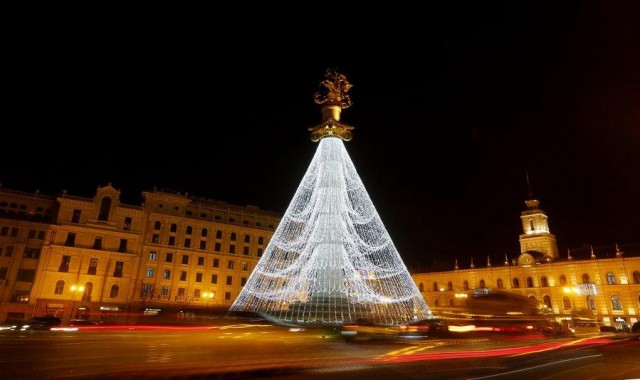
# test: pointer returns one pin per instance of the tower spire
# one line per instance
(618, 251)
(333, 97)
(529, 184)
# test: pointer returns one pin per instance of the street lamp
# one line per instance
(75, 289)
(208, 295)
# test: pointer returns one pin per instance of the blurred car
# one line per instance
(635, 329)
(36, 324)
(553, 329)
(607, 329)
(371, 332)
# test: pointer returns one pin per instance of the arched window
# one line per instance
(247, 238)
(189, 230)
(500, 284)
(465, 285)
(59, 287)
(615, 303)
(547, 301)
(105, 208)
(174, 227)
(543, 282)
(482, 284)
(636, 277)
(435, 286)
(233, 236)
(147, 290)
(566, 302)
(260, 240)
(450, 286)
(450, 301)
(531, 296)
(531, 224)
(421, 287)
(563, 280)
(157, 225)
(639, 299)
(591, 302)
(611, 278)
(218, 234)
(516, 283)
(115, 289)
(585, 278)
(88, 288)
(529, 282)
(204, 232)
(436, 303)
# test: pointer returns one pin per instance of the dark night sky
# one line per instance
(451, 106)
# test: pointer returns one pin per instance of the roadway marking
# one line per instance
(534, 367)
(404, 351)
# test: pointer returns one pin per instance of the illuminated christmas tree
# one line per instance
(331, 260)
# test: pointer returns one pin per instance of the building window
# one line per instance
(41, 235)
(636, 277)
(434, 287)
(436, 303)
(105, 208)
(615, 303)
(181, 293)
(232, 248)
(529, 282)
(75, 218)
(247, 238)
(421, 287)
(149, 272)
(516, 283)
(585, 278)
(32, 234)
(185, 259)
(198, 277)
(157, 225)
(465, 285)
(451, 302)
(217, 247)
(59, 287)
(547, 301)
(189, 230)
(449, 286)
(245, 266)
(260, 240)
(174, 227)
(71, 239)
(611, 278)
(93, 266)
(203, 244)
(563, 280)
(259, 252)
(183, 275)
(201, 261)
(482, 285)
(230, 264)
(216, 263)
(187, 243)
(147, 291)
(229, 280)
(64, 264)
(566, 303)
(169, 257)
(214, 278)
(4, 231)
(164, 292)
(196, 293)
(153, 256)
(172, 240)
(531, 225)
(14, 231)
(88, 289)
(591, 302)
(123, 246)
(3, 273)
(204, 232)
(543, 282)
(166, 275)
(245, 251)
(119, 267)
(97, 242)
(31, 253)
(127, 223)
(115, 289)
(233, 236)
(227, 296)
(218, 234)
(500, 284)
(155, 238)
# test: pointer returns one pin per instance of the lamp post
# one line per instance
(75, 289)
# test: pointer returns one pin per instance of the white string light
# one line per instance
(331, 260)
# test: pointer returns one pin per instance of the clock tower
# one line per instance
(536, 238)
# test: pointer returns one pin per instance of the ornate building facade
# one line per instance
(605, 281)
(100, 259)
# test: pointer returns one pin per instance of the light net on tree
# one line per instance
(331, 260)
